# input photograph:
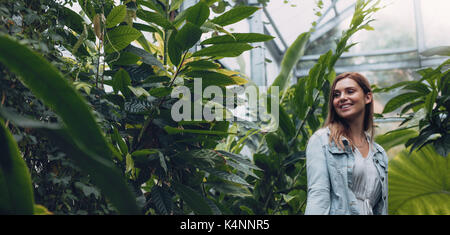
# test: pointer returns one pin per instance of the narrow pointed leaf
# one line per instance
(238, 38)
(400, 100)
(16, 191)
(234, 15)
(224, 50)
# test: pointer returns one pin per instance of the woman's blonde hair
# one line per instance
(338, 126)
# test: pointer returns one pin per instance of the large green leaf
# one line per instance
(293, 54)
(85, 135)
(234, 15)
(210, 78)
(145, 56)
(419, 183)
(224, 50)
(120, 37)
(400, 100)
(16, 191)
(238, 38)
(155, 18)
(116, 16)
(121, 81)
(188, 36)
(395, 138)
(198, 13)
(193, 199)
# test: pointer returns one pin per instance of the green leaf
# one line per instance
(188, 36)
(238, 38)
(116, 16)
(430, 100)
(198, 13)
(162, 200)
(155, 18)
(293, 54)
(144, 27)
(174, 49)
(139, 91)
(74, 21)
(84, 136)
(210, 78)
(120, 37)
(193, 199)
(224, 50)
(160, 91)
(152, 4)
(41, 210)
(16, 191)
(234, 15)
(400, 100)
(175, 4)
(122, 145)
(121, 81)
(125, 58)
(240, 159)
(286, 124)
(227, 176)
(146, 57)
(394, 138)
(419, 183)
(202, 64)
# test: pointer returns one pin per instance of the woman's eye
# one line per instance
(335, 95)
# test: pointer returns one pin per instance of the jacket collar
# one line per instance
(336, 150)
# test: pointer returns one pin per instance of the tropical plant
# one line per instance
(429, 99)
(419, 183)
(130, 135)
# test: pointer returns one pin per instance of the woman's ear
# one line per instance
(368, 97)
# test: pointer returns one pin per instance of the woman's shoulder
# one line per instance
(324, 131)
(321, 135)
(381, 150)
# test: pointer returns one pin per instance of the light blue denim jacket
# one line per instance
(329, 175)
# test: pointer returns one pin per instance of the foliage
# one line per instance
(58, 183)
(419, 183)
(429, 99)
(15, 183)
(281, 188)
(176, 170)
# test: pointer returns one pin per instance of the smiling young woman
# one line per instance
(346, 169)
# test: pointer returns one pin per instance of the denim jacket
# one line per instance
(329, 175)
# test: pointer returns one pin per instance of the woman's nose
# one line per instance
(342, 98)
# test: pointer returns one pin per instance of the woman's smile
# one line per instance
(349, 99)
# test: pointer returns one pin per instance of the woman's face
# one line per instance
(349, 99)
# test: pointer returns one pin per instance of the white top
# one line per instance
(366, 185)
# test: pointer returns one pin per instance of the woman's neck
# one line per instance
(356, 128)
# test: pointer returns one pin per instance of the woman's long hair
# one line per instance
(338, 126)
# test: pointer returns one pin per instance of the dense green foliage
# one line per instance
(86, 99)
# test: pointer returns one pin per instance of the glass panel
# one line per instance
(394, 28)
(436, 22)
(292, 18)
